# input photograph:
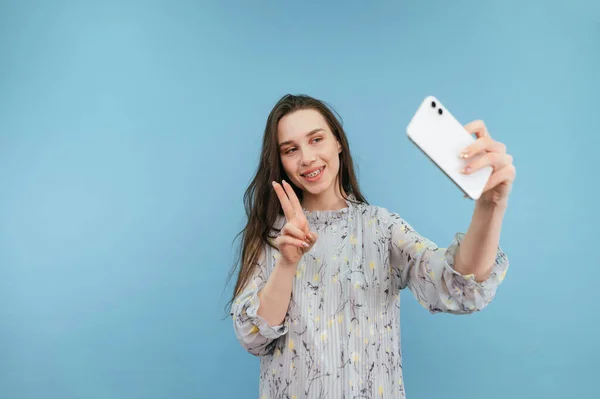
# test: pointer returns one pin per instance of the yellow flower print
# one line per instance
(503, 274)
(419, 246)
(301, 270)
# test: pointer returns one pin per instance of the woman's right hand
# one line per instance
(296, 238)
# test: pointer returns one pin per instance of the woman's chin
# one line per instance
(315, 190)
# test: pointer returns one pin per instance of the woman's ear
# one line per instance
(339, 147)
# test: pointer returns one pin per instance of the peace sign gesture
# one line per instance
(296, 238)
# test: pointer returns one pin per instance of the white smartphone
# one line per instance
(441, 137)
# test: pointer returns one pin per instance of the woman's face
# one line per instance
(309, 152)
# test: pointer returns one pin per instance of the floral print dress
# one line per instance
(341, 334)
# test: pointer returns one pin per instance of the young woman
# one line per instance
(318, 291)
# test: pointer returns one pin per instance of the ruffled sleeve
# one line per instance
(428, 271)
(254, 333)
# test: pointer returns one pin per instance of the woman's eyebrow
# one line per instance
(314, 131)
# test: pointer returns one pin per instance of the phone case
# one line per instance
(435, 131)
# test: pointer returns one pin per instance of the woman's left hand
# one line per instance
(494, 154)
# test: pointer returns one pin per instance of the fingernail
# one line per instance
(464, 155)
(466, 169)
(305, 245)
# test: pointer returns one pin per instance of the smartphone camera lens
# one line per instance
(440, 111)
(433, 104)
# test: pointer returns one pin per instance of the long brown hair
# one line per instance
(260, 200)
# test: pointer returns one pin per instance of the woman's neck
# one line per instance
(326, 201)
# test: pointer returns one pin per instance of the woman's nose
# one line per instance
(308, 158)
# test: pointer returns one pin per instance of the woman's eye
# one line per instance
(317, 139)
(290, 150)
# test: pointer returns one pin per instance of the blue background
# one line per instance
(129, 131)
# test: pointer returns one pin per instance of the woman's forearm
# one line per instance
(275, 296)
(478, 249)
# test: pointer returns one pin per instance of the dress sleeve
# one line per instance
(429, 272)
(254, 333)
